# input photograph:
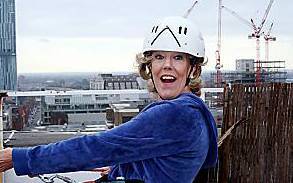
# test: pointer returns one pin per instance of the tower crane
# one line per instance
(267, 38)
(256, 33)
(218, 51)
(190, 9)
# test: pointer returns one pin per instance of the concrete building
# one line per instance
(97, 83)
(8, 73)
(87, 107)
(115, 82)
(118, 114)
(245, 65)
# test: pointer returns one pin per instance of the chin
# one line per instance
(168, 96)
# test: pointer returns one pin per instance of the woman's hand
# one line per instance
(6, 159)
(103, 170)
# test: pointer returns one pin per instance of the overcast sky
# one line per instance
(105, 35)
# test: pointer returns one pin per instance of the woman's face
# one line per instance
(169, 71)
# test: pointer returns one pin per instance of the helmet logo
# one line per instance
(167, 28)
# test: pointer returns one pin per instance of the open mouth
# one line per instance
(167, 78)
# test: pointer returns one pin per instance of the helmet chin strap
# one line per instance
(187, 79)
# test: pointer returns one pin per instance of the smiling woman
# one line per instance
(172, 58)
(171, 73)
(170, 140)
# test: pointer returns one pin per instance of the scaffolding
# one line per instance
(271, 71)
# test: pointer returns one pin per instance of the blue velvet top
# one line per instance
(169, 141)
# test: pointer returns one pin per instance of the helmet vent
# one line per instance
(156, 29)
(185, 30)
(180, 29)
(153, 29)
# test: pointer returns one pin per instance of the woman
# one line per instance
(169, 141)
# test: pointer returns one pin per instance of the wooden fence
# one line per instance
(259, 149)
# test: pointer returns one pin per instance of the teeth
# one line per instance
(168, 77)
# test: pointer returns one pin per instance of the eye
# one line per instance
(178, 57)
(159, 57)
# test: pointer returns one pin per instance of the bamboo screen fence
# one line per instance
(259, 149)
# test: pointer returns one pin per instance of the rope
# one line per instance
(229, 131)
(10, 137)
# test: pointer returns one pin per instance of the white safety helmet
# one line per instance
(175, 34)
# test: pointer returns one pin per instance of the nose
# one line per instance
(168, 63)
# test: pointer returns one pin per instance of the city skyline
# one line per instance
(104, 36)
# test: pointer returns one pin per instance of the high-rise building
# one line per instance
(245, 65)
(8, 72)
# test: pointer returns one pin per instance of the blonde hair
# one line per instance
(144, 70)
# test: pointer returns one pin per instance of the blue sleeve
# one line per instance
(161, 130)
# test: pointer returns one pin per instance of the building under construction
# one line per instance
(271, 71)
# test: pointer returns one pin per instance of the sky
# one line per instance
(105, 35)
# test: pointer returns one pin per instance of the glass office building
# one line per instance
(8, 72)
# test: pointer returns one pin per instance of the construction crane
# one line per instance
(267, 38)
(190, 9)
(218, 51)
(255, 34)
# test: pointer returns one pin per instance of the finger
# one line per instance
(102, 169)
(104, 173)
